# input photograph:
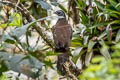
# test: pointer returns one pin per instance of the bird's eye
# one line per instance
(59, 12)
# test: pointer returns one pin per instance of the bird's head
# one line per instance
(60, 13)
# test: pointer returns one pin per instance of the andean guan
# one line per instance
(62, 35)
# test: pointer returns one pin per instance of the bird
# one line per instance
(62, 35)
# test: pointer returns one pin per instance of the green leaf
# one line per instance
(108, 35)
(104, 51)
(85, 40)
(63, 8)
(117, 46)
(18, 32)
(51, 53)
(101, 42)
(84, 18)
(3, 77)
(8, 39)
(89, 52)
(54, 2)
(3, 66)
(114, 4)
(97, 59)
(114, 15)
(76, 42)
(43, 4)
(3, 25)
(76, 54)
(35, 62)
(81, 4)
(90, 46)
(88, 58)
(49, 63)
(15, 20)
(112, 11)
(117, 36)
(99, 4)
(99, 24)
(102, 35)
(116, 53)
(115, 22)
(27, 65)
(118, 5)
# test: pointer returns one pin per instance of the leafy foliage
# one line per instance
(26, 33)
(107, 70)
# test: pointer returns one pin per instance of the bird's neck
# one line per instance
(62, 21)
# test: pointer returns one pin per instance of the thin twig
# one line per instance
(37, 41)
(27, 39)
(19, 47)
(17, 4)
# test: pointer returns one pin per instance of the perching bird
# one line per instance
(62, 34)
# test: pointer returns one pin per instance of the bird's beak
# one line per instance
(55, 12)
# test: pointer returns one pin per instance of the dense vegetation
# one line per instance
(26, 44)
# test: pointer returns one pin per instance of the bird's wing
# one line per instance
(70, 31)
(62, 36)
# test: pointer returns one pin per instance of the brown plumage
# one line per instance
(62, 34)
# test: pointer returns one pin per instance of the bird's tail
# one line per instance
(62, 59)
